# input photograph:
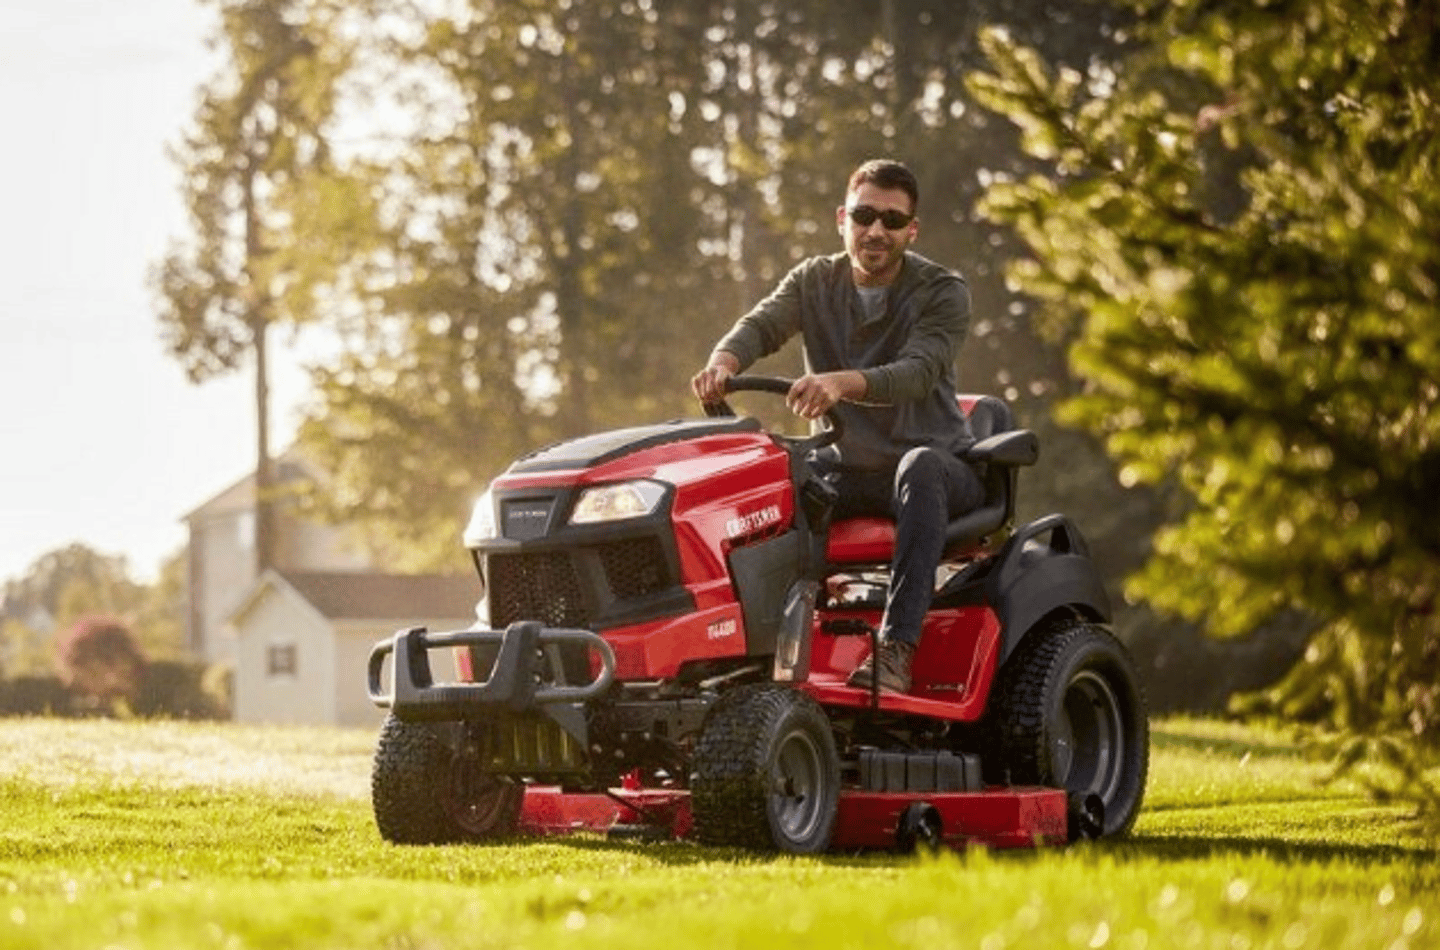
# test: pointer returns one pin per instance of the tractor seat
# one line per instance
(998, 452)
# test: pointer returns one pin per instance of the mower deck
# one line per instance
(999, 817)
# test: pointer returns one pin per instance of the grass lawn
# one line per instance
(156, 835)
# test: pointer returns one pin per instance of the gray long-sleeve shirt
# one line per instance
(906, 353)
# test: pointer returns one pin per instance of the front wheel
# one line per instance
(424, 791)
(1070, 713)
(766, 774)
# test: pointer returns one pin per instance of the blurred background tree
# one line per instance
(63, 585)
(79, 634)
(1237, 236)
(60, 587)
(523, 221)
(250, 167)
(578, 200)
(100, 661)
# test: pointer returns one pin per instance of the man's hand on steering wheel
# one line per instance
(815, 394)
(709, 384)
(828, 434)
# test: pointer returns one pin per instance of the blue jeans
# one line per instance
(924, 492)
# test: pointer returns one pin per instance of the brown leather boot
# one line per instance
(893, 659)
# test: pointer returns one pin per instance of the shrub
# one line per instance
(35, 696)
(100, 660)
(176, 689)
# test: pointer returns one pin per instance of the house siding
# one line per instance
(310, 546)
(307, 696)
(320, 596)
(352, 658)
(224, 569)
(352, 698)
(222, 562)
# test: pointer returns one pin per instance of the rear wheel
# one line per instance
(1070, 713)
(425, 792)
(766, 774)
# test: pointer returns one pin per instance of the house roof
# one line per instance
(357, 596)
(290, 469)
(369, 596)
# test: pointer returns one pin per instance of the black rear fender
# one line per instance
(1042, 570)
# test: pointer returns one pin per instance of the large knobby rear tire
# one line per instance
(1069, 712)
(765, 772)
(424, 792)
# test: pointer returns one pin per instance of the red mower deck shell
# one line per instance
(1000, 817)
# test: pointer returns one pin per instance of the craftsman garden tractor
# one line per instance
(670, 615)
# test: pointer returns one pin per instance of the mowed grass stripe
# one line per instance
(197, 856)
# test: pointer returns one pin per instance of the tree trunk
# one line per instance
(264, 467)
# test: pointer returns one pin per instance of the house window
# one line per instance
(245, 530)
(280, 659)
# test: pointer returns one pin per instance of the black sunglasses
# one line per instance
(864, 215)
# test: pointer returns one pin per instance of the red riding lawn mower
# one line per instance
(670, 616)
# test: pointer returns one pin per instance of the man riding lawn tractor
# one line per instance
(699, 628)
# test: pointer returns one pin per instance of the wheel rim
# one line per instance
(797, 799)
(1089, 745)
(475, 801)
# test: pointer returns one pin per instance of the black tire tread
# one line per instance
(408, 783)
(729, 784)
(410, 763)
(1019, 720)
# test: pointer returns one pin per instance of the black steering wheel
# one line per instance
(781, 386)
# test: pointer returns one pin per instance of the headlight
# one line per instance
(617, 502)
(481, 527)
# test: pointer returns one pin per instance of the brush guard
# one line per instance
(515, 684)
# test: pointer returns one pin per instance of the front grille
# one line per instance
(635, 568)
(551, 586)
(541, 586)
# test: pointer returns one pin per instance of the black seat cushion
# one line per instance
(870, 540)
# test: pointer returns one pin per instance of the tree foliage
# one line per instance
(1236, 233)
(100, 660)
(585, 195)
(532, 219)
(258, 133)
(58, 588)
(75, 581)
(253, 259)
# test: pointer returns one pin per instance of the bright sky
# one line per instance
(102, 440)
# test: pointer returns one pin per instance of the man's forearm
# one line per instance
(725, 360)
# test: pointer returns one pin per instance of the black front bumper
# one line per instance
(515, 685)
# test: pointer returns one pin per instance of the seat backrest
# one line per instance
(987, 414)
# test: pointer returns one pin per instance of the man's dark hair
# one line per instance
(886, 173)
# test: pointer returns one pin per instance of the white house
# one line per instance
(298, 636)
(303, 639)
(220, 556)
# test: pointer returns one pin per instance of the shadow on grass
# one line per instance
(1203, 848)
(1165, 848)
(1161, 740)
(685, 853)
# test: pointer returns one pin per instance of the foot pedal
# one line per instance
(846, 627)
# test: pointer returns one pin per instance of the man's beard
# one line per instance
(885, 250)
